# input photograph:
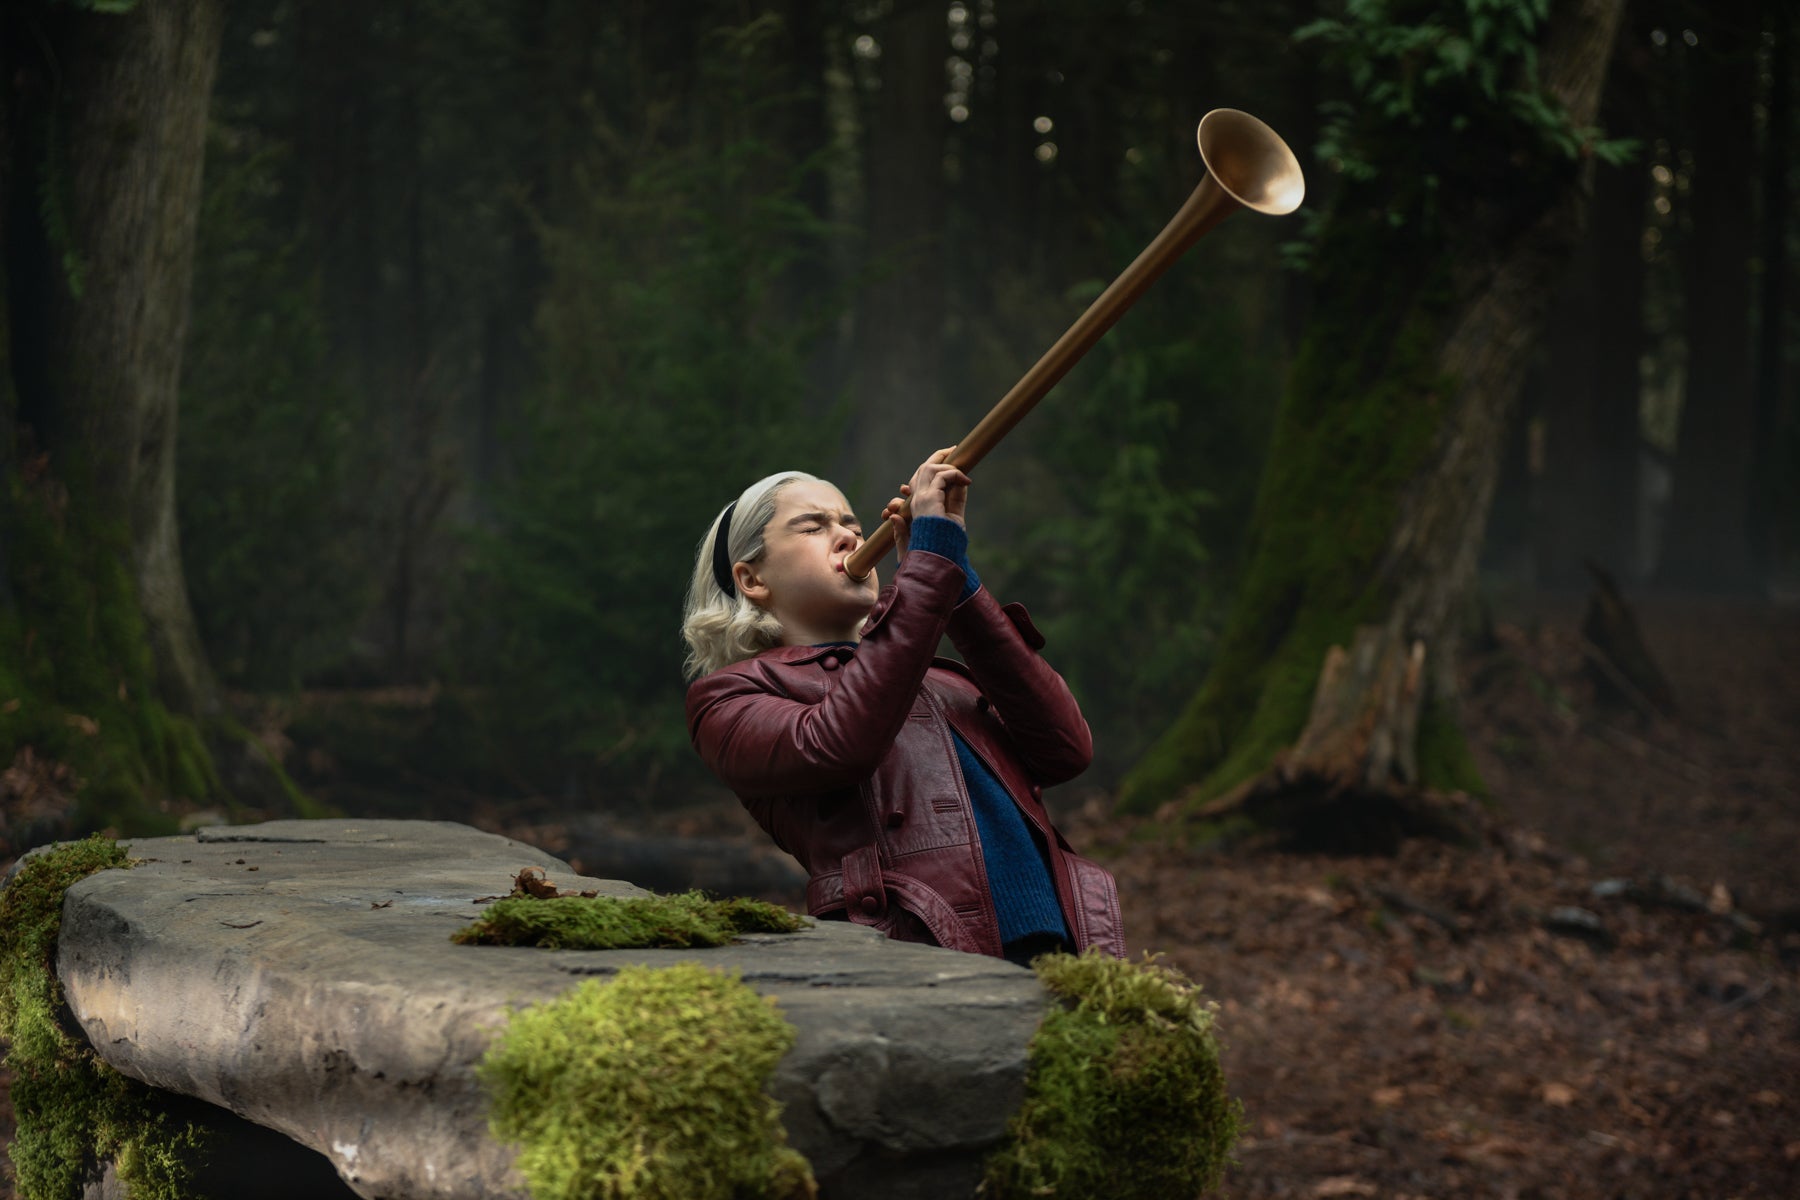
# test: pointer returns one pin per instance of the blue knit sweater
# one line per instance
(1018, 874)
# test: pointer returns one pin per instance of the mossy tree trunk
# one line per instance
(104, 127)
(1335, 676)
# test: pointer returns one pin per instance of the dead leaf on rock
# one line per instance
(1557, 1095)
(1388, 1096)
(531, 881)
(1768, 1098)
(1344, 1185)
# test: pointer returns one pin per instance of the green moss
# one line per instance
(73, 1111)
(1445, 761)
(610, 923)
(650, 1087)
(77, 683)
(1125, 1097)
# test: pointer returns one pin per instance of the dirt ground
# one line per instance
(1600, 1000)
(1439, 1024)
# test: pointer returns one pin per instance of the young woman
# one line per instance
(908, 786)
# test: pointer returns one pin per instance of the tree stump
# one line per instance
(1351, 781)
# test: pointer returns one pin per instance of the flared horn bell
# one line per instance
(1250, 162)
(1247, 166)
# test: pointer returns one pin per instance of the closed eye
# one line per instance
(815, 522)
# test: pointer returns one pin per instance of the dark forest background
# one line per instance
(492, 306)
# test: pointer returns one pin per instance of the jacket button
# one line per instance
(870, 904)
(829, 662)
(982, 703)
(896, 819)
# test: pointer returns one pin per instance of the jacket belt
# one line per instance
(864, 890)
(830, 890)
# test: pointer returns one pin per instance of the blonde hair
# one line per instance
(720, 628)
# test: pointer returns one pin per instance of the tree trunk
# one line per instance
(1381, 470)
(1587, 507)
(104, 127)
(1706, 541)
(334, 147)
(803, 133)
(897, 380)
(132, 142)
(1771, 365)
(506, 361)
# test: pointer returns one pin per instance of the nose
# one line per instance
(846, 539)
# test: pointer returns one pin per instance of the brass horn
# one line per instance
(1247, 166)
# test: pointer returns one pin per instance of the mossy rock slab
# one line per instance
(300, 974)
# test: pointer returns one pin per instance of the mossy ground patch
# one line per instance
(680, 921)
(1125, 1097)
(650, 1087)
(73, 1111)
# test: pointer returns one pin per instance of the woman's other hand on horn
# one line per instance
(937, 490)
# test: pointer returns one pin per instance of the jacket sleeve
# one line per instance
(1000, 648)
(763, 743)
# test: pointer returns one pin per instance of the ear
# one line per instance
(751, 584)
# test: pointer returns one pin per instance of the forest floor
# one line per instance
(1439, 1023)
(1602, 999)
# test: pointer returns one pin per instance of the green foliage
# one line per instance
(73, 1111)
(76, 677)
(1129, 570)
(646, 1088)
(1119, 566)
(1125, 1097)
(267, 492)
(610, 923)
(668, 388)
(1438, 85)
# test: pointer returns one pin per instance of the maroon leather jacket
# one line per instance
(847, 761)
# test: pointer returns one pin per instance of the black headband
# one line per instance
(722, 555)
